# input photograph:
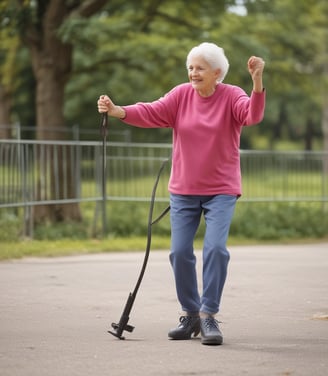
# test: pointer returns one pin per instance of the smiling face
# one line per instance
(202, 76)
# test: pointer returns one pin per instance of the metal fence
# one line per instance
(51, 172)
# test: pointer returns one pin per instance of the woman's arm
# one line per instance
(159, 113)
(255, 68)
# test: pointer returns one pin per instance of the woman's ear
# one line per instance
(217, 73)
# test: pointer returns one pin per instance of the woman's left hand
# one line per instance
(255, 67)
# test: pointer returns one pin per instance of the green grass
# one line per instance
(293, 185)
(67, 247)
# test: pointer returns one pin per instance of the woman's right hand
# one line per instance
(105, 104)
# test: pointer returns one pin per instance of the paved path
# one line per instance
(55, 313)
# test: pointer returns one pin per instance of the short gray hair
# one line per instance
(213, 54)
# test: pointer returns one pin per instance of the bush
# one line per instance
(126, 219)
(255, 221)
(274, 221)
(71, 230)
(10, 227)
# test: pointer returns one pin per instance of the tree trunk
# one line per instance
(324, 123)
(325, 133)
(51, 62)
(5, 104)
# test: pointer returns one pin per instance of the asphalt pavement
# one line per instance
(55, 314)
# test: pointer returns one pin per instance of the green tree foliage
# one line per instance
(135, 50)
(8, 71)
(295, 33)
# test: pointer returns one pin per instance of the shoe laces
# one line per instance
(211, 323)
(185, 320)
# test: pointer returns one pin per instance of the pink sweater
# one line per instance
(206, 135)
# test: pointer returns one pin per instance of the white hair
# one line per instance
(213, 55)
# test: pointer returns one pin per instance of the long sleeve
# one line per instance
(157, 114)
(249, 110)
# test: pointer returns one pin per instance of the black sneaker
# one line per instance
(211, 334)
(188, 325)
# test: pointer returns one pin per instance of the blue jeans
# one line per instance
(186, 212)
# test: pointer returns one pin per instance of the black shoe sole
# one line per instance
(212, 341)
(181, 337)
(176, 335)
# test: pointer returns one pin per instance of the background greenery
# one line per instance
(127, 222)
(135, 51)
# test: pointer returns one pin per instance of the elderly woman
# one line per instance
(207, 117)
